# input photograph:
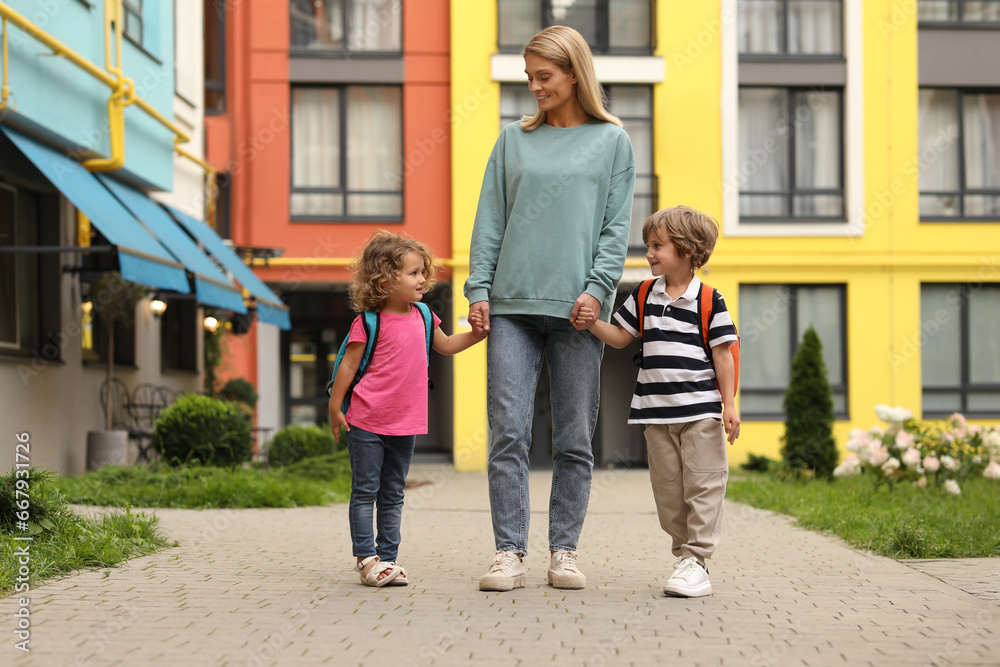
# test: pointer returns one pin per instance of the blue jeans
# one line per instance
(515, 349)
(379, 464)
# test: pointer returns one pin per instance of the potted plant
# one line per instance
(114, 299)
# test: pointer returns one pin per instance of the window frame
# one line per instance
(796, 336)
(600, 46)
(960, 22)
(345, 52)
(216, 85)
(789, 194)
(962, 191)
(132, 9)
(342, 190)
(966, 386)
(784, 55)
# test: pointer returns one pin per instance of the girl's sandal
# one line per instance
(401, 580)
(370, 577)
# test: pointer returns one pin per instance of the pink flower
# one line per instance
(974, 429)
(958, 419)
(931, 464)
(921, 483)
(878, 456)
(959, 433)
(904, 440)
(952, 487)
(949, 463)
(911, 457)
(992, 470)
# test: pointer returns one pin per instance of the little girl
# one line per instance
(389, 405)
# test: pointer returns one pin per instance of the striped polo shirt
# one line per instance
(677, 381)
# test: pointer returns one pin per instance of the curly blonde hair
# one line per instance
(692, 232)
(376, 271)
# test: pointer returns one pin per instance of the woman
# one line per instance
(550, 237)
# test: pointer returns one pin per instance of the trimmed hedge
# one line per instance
(294, 443)
(203, 429)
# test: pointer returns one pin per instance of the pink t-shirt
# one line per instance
(391, 398)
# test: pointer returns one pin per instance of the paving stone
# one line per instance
(276, 587)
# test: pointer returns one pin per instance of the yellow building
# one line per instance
(851, 153)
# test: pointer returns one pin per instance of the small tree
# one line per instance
(808, 405)
(115, 299)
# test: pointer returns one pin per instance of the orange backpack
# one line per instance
(706, 309)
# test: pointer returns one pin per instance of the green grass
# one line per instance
(317, 481)
(61, 540)
(906, 522)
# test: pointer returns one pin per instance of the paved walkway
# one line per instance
(275, 587)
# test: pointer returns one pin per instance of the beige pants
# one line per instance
(688, 469)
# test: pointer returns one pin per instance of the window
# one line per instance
(634, 107)
(959, 154)
(791, 154)
(609, 26)
(374, 26)
(949, 11)
(29, 281)
(178, 330)
(773, 319)
(133, 19)
(347, 147)
(790, 27)
(94, 330)
(215, 57)
(960, 349)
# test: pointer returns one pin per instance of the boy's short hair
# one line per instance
(692, 232)
(376, 271)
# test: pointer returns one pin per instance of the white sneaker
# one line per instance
(689, 580)
(563, 573)
(506, 572)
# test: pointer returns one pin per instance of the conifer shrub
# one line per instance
(203, 429)
(808, 440)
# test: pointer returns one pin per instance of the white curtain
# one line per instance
(988, 10)
(984, 334)
(763, 150)
(814, 26)
(981, 120)
(759, 26)
(375, 25)
(374, 148)
(817, 152)
(519, 21)
(629, 22)
(765, 362)
(938, 150)
(316, 149)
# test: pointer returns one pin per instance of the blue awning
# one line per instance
(141, 258)
(211, 284)
(270, 309)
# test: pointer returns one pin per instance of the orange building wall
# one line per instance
(252, 141)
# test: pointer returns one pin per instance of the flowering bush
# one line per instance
(935, 453)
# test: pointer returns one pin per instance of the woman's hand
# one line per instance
(479, 318)
(581, 319)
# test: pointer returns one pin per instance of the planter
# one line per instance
(104, 447)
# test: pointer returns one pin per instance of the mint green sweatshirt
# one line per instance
(553, 219)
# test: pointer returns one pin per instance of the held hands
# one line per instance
(731, 422)
(479, 318)
(585, 311)
(479, 322)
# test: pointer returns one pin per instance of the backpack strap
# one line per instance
(425, 313)
(371, 323)
(640, 299)
(706, 310)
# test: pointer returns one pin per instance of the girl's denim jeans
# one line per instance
(379, 464)
(515, 349)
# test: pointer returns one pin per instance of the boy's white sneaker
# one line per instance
(563, 572)
(506, 573)
(689, 580)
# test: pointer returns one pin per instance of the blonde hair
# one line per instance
(376, 271)
(692, 232)
(568, 49)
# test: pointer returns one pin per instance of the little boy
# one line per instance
(676, 394)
